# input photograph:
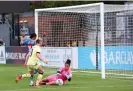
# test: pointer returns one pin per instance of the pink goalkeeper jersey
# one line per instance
(63, 72)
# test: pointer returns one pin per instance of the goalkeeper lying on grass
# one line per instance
(62, 76)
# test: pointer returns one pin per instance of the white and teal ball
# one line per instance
(59, 82)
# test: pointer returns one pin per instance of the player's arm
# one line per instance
(59, 71)
(38, 50)
(21, 40)
(27, 57)
(25, 42)
(40, 58)
(68, 76)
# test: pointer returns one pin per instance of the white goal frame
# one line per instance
(101, 27)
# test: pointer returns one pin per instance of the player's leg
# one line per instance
(39, 78)
(31, 78)
(50, 80)
(51, 83)
(30, 74)
(44, 81)
(35, 72)
(55, 82)
(19, 77)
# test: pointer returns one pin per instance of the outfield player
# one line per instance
(64, 73)
(32, 63)
(22, 37)
(29, 43)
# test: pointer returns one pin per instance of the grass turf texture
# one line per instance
(80, 82)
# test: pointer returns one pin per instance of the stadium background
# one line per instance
(23, 19)
(15, 21)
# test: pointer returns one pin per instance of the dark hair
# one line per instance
(1, 42)
(38, 41)
(68, 61)
(33, 35)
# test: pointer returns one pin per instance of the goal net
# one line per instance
(118, 41)
(102, 33)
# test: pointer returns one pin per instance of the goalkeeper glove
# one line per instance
(58, 71)
(69, 79)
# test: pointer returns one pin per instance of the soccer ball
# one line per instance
(59, 82)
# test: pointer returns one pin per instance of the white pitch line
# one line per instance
(31, 89)
(81, 75)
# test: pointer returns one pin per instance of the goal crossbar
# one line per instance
(68, 7)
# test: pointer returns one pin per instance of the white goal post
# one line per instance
(103, 29)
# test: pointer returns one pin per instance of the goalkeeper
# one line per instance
(64, 74)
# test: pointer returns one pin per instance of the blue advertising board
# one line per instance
(116, 57)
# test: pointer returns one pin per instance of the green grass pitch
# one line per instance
(80, 82)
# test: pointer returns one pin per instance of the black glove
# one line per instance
(58, 71)
(69, 79)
